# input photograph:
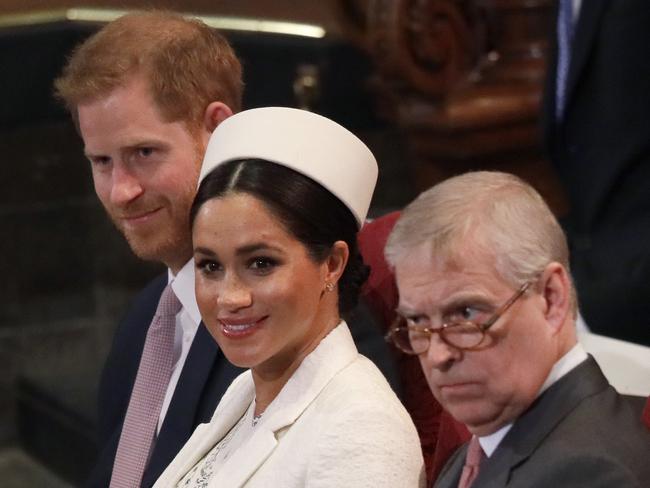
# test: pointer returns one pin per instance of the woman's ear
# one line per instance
(336, 261)
(556, 292)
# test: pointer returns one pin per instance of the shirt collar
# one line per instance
(576, 9)
(183, 286)
(489, 443)
(566, 363)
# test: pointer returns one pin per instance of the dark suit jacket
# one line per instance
(205, 377)
(601, 150)
(579, 433)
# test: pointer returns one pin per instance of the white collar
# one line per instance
(576, 9)
(183, 285)
(566, 363)
(490, 442)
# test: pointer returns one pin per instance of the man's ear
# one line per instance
(556, 292)
(336, 262)
(215, 113)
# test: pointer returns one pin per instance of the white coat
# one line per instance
(336, 423)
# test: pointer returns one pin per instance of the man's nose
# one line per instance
(441, 355)
(125, 186)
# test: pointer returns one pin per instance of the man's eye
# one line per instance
(417, 320)
(469, 314)
(100, 160)
(145, 152)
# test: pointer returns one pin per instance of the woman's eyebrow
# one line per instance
(256, 246)
(204, 250)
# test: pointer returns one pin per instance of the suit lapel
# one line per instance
(591, 12)
(206, 436)
(334, 353)
(531, 428)
(181, 416)
(247, 460)
(450, 475)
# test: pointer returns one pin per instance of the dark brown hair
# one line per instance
(308, 211)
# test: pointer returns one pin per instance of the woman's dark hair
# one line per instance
(308, 211)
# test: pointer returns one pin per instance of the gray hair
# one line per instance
(501, 213)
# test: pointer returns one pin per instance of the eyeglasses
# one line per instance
(464, 335)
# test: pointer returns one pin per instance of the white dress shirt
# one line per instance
(187, 323)
(576, 9)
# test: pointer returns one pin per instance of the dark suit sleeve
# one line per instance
(577, 471)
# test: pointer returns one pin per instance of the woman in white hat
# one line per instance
(282, 195)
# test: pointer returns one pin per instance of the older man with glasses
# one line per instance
(488, 306)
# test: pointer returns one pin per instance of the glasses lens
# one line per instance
(463, 335)
(400, 337)
(409, 341)
(418, 340)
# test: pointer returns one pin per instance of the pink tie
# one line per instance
(474, 457)
(138, 431)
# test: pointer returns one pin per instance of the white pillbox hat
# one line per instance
(306, 142)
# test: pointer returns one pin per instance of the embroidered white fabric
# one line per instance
(199, 476)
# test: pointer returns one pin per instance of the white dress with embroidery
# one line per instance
(199, 476)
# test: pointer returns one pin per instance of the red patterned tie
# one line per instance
(138, 432)
(472, 461)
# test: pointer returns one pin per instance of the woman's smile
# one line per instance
(242, 327)
(259, 290)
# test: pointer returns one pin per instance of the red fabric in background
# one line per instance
(440, 434)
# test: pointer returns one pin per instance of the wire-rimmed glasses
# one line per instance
(465, 335)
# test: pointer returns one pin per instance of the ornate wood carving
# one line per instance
(423, 45)
(463, 79)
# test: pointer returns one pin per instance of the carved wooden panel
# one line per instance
(463, 79)
(428, 46)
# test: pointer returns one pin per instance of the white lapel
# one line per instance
(246, 460)
(231, 408)
(334, 353)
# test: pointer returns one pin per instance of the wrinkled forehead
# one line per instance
(455, 253)
(426, 269)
